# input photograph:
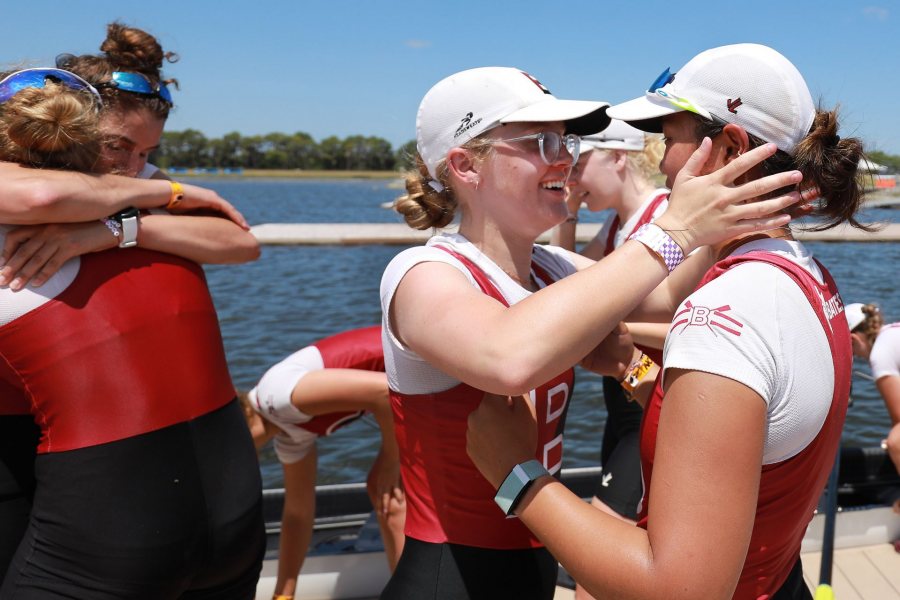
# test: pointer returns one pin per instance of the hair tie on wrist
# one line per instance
(177, 195)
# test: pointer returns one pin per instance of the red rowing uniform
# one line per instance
(788, 490)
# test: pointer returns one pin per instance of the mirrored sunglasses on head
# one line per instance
(37, 78)
(667, 77)
(551, 145)
(138, 83)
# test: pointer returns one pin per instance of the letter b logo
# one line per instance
(699, 316)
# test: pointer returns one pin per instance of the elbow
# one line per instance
(514, 376)
(243, 249)
(250, 250)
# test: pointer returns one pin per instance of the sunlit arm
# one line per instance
(205, 240)
(29, 196)
(701, 507)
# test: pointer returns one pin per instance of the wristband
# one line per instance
(516, 484)
(128, 221)
(177, 195)
(114, 227)
(636, 372)
(661, 243)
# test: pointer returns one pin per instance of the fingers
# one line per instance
(694, 165)
(30, 260)
(745, 162)
(235, 215)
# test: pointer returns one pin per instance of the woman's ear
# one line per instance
(620, 157)
(734, 141)
(462, 167)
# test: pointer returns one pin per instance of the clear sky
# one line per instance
(347, 67)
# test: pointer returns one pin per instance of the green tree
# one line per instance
(892, 161)
(405, 157)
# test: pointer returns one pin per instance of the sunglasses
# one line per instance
(137, 83)
(551, 144)
(37, 78)
(667, 77)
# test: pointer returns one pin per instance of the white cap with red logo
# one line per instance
(750, 85)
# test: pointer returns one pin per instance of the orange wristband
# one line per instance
(177, 195)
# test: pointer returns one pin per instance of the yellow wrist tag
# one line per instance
(177, 195)
(638, 371)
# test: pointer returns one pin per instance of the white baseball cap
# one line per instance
(619, 135)
(747, 84)
(466, 104)
(855, 315)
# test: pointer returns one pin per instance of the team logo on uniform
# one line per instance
(703, 316)
(733, 105)
(534, 80)
(465, 124)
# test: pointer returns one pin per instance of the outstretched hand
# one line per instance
(502, 433)
(708, 209)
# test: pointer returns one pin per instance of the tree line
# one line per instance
(190, 148)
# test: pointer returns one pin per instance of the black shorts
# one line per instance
(794, 587)
(620, 486)
(18, 447)
(455, 572)
(174, 513)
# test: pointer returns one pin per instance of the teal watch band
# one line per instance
(516, 483)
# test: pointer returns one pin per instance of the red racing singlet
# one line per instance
(788, 490)
(131, 346)
(355, 349)
(448, 500)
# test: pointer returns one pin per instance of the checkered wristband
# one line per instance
(661, 243)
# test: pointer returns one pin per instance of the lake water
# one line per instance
(295, 295)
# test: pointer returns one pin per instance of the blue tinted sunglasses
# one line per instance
(136, 83)
(665, 77)
(37, 78)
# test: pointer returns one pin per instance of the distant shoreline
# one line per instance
(289, 174)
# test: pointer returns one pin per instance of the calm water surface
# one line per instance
(295, 295)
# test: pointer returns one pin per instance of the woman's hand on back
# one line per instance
(709, 209)
(33, 253)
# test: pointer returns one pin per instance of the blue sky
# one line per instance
(346, 67)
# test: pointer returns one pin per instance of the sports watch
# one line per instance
(516, 484)
(129, 219)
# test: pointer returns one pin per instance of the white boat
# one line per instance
(346, 558)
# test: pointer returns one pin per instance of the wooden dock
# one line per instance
(348, 234)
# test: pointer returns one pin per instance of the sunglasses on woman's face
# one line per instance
(551, 145)
(38, 78)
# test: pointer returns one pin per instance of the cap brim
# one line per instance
(643, 113)
(581, 117)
